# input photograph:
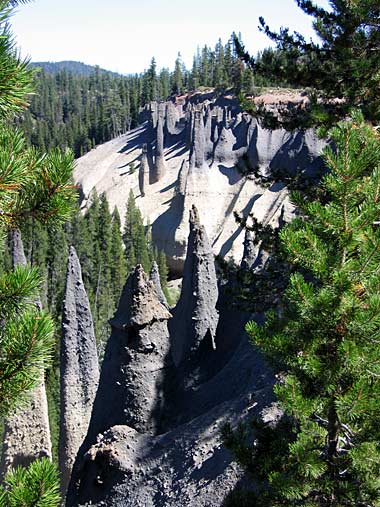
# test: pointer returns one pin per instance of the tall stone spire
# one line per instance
(131, 388)
(198, 145)
(209, 145)
(159, 168)
(78, 366)
(154, 277)
(182, 178)
(144, 172)
(196, 318)
(27, 433)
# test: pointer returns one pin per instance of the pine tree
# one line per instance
(118, 259)
(134, 237)
(325, 451)
(177, 86)
(33, 186)
(344, 63)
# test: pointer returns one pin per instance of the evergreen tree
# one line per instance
(35, 186)
(135, 238)
(163, 269)
(343, 64)
(177, 80)
(325, 451)
(118, 260)
(104, 296)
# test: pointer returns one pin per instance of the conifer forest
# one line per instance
(189, 279)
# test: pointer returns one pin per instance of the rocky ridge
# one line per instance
(201, 150)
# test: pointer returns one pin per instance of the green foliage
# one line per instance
(15, 75)
(35, 486)
(325, 340)
(78, 107)
(341, 69)
(33, 186)
(135, 240)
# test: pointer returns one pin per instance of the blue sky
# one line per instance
(123, 35)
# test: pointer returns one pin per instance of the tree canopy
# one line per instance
(325, 341)
(340, 68)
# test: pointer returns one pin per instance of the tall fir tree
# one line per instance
(325, 341)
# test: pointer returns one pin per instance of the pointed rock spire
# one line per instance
(78, 367)
(131, 388)
(182, 178)
(154, 277)
(159, 168)
(196, 317)
(27, 432)
(209, 145)
(144, 172)
(250, 251)
(198, 145)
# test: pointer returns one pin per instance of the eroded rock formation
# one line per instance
(154, 277)
(198, 145)
(26, 432)
(196, 318)
(144, 172)
(159, 167)
(130, 386)
(127, 460)
(79, 369)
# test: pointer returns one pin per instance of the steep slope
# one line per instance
(198, 149)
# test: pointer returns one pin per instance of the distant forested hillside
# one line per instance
(78, 68)
(79, 106)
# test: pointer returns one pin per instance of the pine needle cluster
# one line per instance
(38, 186)
(326, 341)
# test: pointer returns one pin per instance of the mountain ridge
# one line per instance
(77, 68)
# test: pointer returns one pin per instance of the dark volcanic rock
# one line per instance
(134, 361)
(196, 318)
(187, 466)
(78, 366)
(26, 432)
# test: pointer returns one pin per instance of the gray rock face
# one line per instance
(78, 367)
(182, 178)
(130, 387)
(26, 433)
(196, 318)
(224, 146)
(144, 172)
(198, 146)
(154, 277)
(159, 168)
(187, 466)
(172, 119)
